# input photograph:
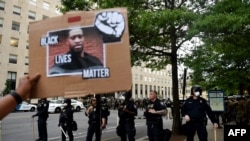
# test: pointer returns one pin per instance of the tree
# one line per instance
(158, 29)
(7, 88)
(223, 59)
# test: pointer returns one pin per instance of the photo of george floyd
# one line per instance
(73, 50)
(81, 53)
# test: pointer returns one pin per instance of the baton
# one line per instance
(33, 126)
(63, 131)
(215, 136)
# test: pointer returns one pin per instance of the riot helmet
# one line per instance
(128, 95)
(67, 101)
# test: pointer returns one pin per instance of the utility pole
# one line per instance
(184, 83)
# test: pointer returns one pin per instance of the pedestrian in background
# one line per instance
(169, 108)
(66, 119)
(91, 113)
(155, 109)
(194, 111)
(127, 112)
(43, 114)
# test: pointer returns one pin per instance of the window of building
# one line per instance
(26, 61)
(1, 38)
(17, 10)
(32, 15)
(33, 2)
(45, 17)
(2, 5)
(136, 89)
(14, 42)
(12, 58)
(12, 78)
(46, 5)
(141, 89)
(27, 45)
(1, 22)
(15, 26)
(136, 76)
(57, 11)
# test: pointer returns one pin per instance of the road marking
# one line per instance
(84, 134)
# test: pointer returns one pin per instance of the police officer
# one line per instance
(66, 119)
(105, 109)
(91, 113)
(127, 112)
(194, 111)
(42, 113)
(155, 109)
(169, 109)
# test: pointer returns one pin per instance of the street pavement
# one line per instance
(213, 135)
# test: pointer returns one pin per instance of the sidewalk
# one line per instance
(210, 130)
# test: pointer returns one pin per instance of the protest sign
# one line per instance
(81, 53)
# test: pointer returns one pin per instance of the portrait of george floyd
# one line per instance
(73, 50)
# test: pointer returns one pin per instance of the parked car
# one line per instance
(25, 106)
(78, 106)
(56, 106)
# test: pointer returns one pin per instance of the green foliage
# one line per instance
(7, 88)
(223, 60)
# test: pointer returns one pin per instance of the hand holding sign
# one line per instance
(110, 23)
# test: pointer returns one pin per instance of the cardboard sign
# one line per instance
(81, 53)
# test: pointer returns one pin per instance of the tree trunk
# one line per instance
(176, 106)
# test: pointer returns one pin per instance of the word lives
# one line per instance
(62, 59)
(241, 132)
(95, 73)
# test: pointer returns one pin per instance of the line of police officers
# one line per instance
(194, 111)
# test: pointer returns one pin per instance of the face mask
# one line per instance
(197, 93)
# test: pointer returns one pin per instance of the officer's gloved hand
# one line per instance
(33, 116)
(86, 114)
(146, 113)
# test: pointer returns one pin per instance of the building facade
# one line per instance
(146, 79)
(15, 16)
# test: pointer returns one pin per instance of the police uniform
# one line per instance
(127, 112)
(92, 123)
(197, 109)
(42, 113)
(105, 110)
(154, 121)
(66, 119)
